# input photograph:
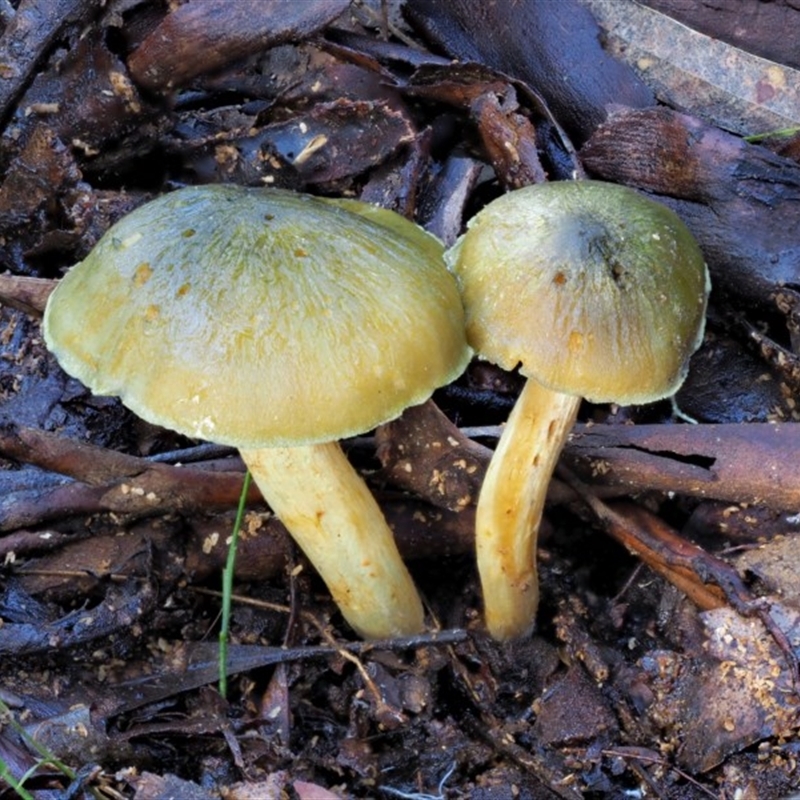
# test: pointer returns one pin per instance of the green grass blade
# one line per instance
(13, 783)
(227, 588)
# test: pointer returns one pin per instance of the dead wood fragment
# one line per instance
(370, 52)
(422, 531)
(162, 489)
(509, 140)
(570, 623)
(108, 481)
(553, 47)
(441, 210)
(787, 301)
(84, 462)
(678, 155)
(328, 143)
(81, 566)
(785, 362)
(503, 109)
(395, 183)
(729, 382)
(697, 73)
(89, 100)
(665, 552)
(43, 169)
(28, 295)
(741, 201)
(741, 525)
(423, 452)
(201, 38)
(38, 506)
(24, 542)
(45, 208)
(427, 531)
(426, 454)
(738, 463)
(122, 606)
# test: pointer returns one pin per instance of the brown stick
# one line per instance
(737, 462)
(426, 454)
(108, 481)
(28, 295)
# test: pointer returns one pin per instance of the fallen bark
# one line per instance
(553, 47)
(109, 481)
(201, 38)
(770, 30)
(27, 40)
(425, 453)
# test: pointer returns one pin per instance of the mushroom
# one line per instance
(277, 323)
(593, 291)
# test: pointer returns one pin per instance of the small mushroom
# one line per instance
(593, 291)
(277, 323)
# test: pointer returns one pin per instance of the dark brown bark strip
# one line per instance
(553, 47)
(200, 38)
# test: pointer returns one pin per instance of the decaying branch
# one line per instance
(28, 295)
(427, 455)
(736, 462)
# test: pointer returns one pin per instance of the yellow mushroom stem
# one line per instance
(511, 503)
(331, 514)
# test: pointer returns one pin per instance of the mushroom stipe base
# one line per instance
(511, 504)
(333, 517)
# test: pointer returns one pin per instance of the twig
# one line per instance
(638, 754)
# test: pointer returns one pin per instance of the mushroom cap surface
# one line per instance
(260, 317)
(591, 288)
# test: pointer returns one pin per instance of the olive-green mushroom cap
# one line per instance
(591, 288)
(260, 317)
